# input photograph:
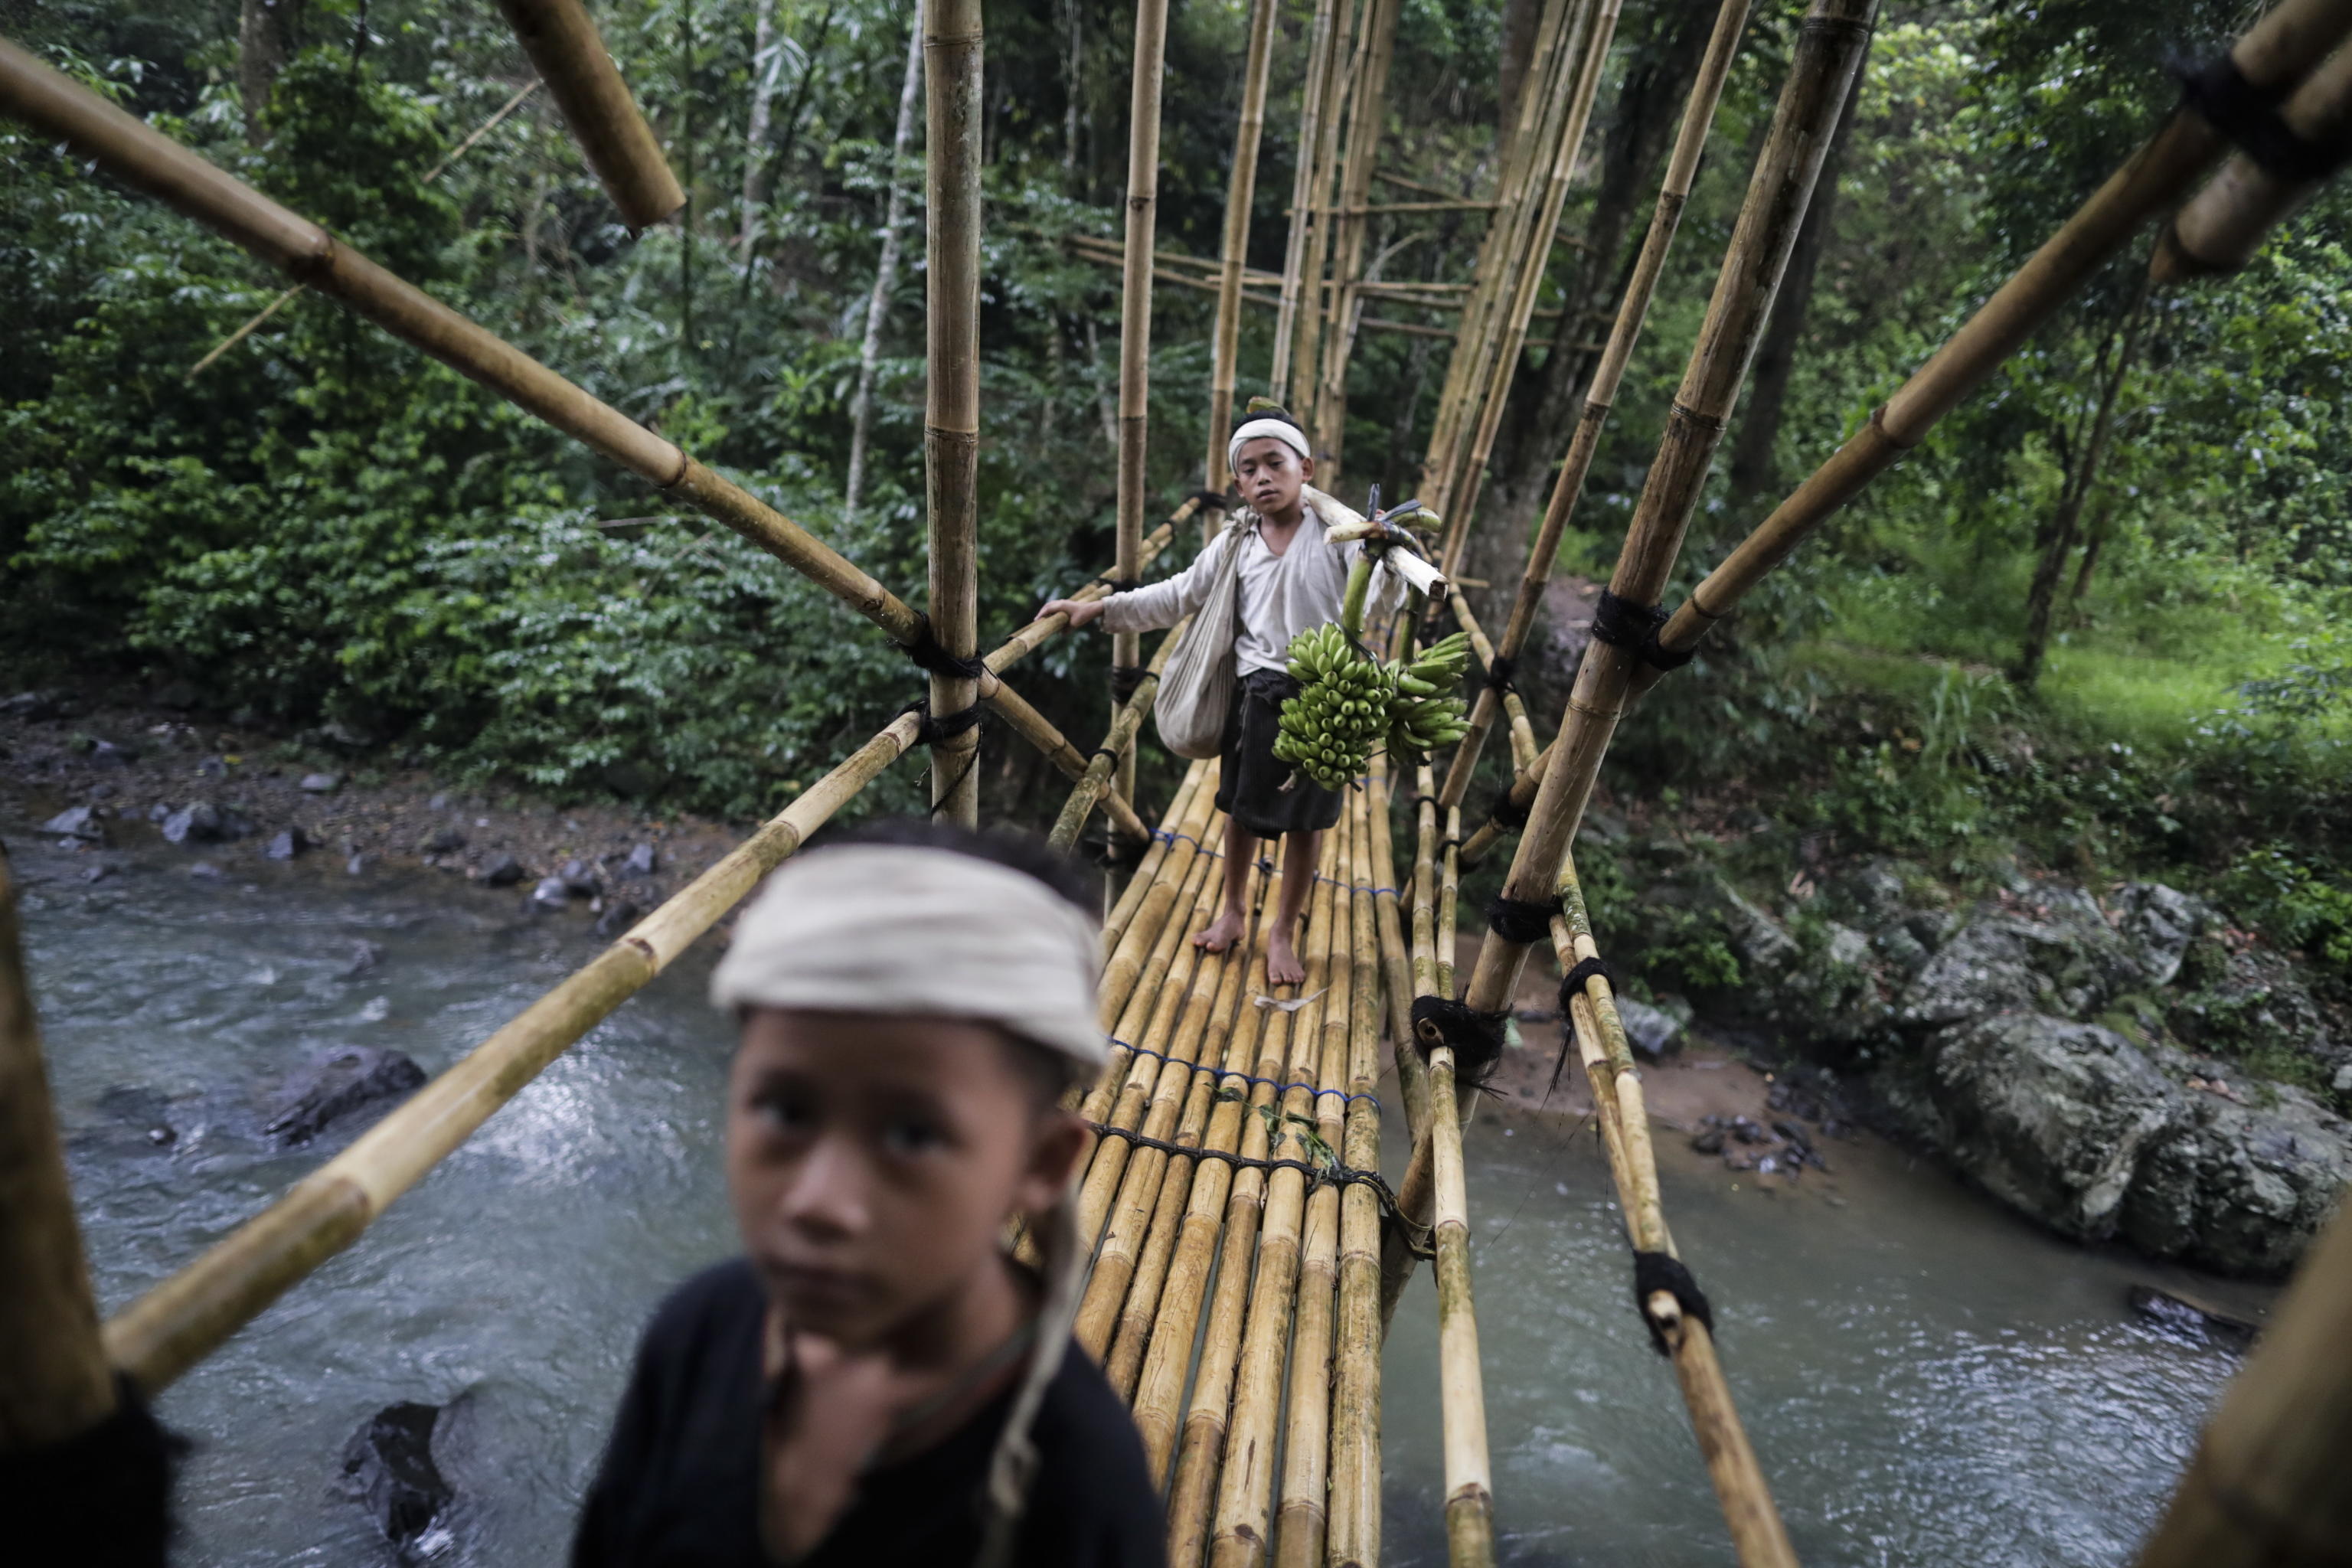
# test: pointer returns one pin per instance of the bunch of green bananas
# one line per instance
(1425, 713)
(1341, 711)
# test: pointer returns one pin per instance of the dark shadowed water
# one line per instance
(1928, 1380)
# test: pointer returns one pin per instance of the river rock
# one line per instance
(2239, 1189)
(81, 823)
(336, 1084)
(395, 1466)
(1652, 1031)
(642, 862)
(581, 879)
(107, 754)
(38, 705)
(501, 871)
(2058, 956)
(286, 845)
(322, 784)
(202, 822)
(440, 841)
(552, 893)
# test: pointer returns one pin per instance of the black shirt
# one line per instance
(679, 1484)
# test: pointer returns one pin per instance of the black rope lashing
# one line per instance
(1508, 814)
(931, 730)
(1499, 671)
(1571, 987)
(1124, 679)
(926, 650)
(2249, 117)
(1658, 656)
(1117, 584)
(1657, 1271)
(1234, 1075)
(1213, 501)
(1620, 623)
(1475, 1037)
(1117, 851)
(1331, 1174)
(1522, 921)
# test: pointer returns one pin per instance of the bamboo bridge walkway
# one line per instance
(1248, 1252)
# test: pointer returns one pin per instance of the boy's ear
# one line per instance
(1056, 1151)
(1306, 467)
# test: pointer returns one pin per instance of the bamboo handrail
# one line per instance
(1307, 360)
(953, 41)
(571, 57)
(1600, 396)
(1396, 963)
(134, 152)
(1241, 190)
(1135, 330)
(55, 1381)
(1757, 1532)
(1367, 120)
(1354, 1529)
(2265, 1487)
(2273, 54)
(1830, 49)
(1314, 89)
(1523, 734)
(180, 1320)
(2223, 225)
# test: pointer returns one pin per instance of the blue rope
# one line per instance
(1222, 1073)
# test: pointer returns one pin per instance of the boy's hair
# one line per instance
(1049, 1072)
(1265, 408)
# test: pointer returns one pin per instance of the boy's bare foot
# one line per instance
(1222, 933)
(1282, 965)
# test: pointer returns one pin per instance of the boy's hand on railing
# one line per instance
(1082, 612)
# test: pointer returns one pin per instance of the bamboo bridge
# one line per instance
(1248, 1253)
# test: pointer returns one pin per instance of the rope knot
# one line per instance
(1475, 1037)
(1657, 1271)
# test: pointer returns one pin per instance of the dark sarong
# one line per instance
(1250, 780)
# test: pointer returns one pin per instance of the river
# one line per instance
(1926, 1379)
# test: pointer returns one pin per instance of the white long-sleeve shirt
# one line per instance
(1277, 596)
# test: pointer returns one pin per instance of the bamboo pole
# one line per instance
(1523, 734)
(1163, 842)
(131, 151)
(1600, 396)
(571, 57)
(1313, 88)
(55, 1380)
(1116, 744)
(2273, 54)
(1245, 1486)
(952, 45)
(180, 1320)
(1129, 935)
(1396, 963)
(1469, 1476)
(1534, 257)
(1135, 328)
(1240, 191)
(2267, 1484)
(1365, 123)
(1757, 1534)
(1416, 1192)
(1039, 731)
(1354, 1539)
(2223, 225)
(1202, 1448)
(1306, 358)
(1829, 52)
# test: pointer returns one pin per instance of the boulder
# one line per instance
(621, 914)
(322, 784)
(501, 871)
(1760, 942)
(82, 823)
(286, 845)
(2052, 1117)
(1649, 1030)
(202, 822)
(107, 754)
(2156, 924)
(552, 893)
(440, 841)
(394, 1466)
(2058, 956)
(333, 1085)
(2241, 1190)
(642, 862)
(581, 879)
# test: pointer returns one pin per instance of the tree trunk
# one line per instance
(886, 272)
(264, 38)
(1517, 42)
(1641, 128)
(1074, 92)
(2102, 527)
(2064, 525)
(755, 134)
(1776, 357)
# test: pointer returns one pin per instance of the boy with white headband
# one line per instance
(1289, 581)
(877, 1382)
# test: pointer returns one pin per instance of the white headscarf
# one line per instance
(896, 927)
(891, 928)
(1282, 430)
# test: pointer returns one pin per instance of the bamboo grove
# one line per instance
(1248, 1254)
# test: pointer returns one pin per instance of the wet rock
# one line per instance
(107, 754)
(2156, 925)
(1760, 942)
(2194, 1322)
(2057, 956)
(1748, 1129)
(142, 1110)
(1652, 1031)
(1707, 1141)
(440, 841)
(581, 879)
(642, 862)
(36, 706)
(286, 845)
(501, 871)
(552, 893)
(618, 917)
(355, 865)
(98, 873)
(2239, 1189)
(82, 823)
(205, 871)
(365, 956)
(342, 736)
(334, 1084)
(322, 784)
(393, 1466)
(198, 822)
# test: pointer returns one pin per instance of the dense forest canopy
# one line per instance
(2016, 642)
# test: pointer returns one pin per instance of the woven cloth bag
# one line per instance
(1196, 688)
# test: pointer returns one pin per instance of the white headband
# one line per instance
(890, 928)
(1282, 430)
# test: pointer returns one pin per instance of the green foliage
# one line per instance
(2295, 904)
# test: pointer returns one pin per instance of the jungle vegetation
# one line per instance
(2011, 647)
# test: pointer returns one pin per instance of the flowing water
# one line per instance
(1926, 1379)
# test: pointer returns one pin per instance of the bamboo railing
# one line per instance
(1829, 51)
(1135, 329)
(2221, 225)
(2273, 54)
(1297, 282)
(55, 1381)
(1367, 116)
(569, 55)
(1233, 251)
(953, 45)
